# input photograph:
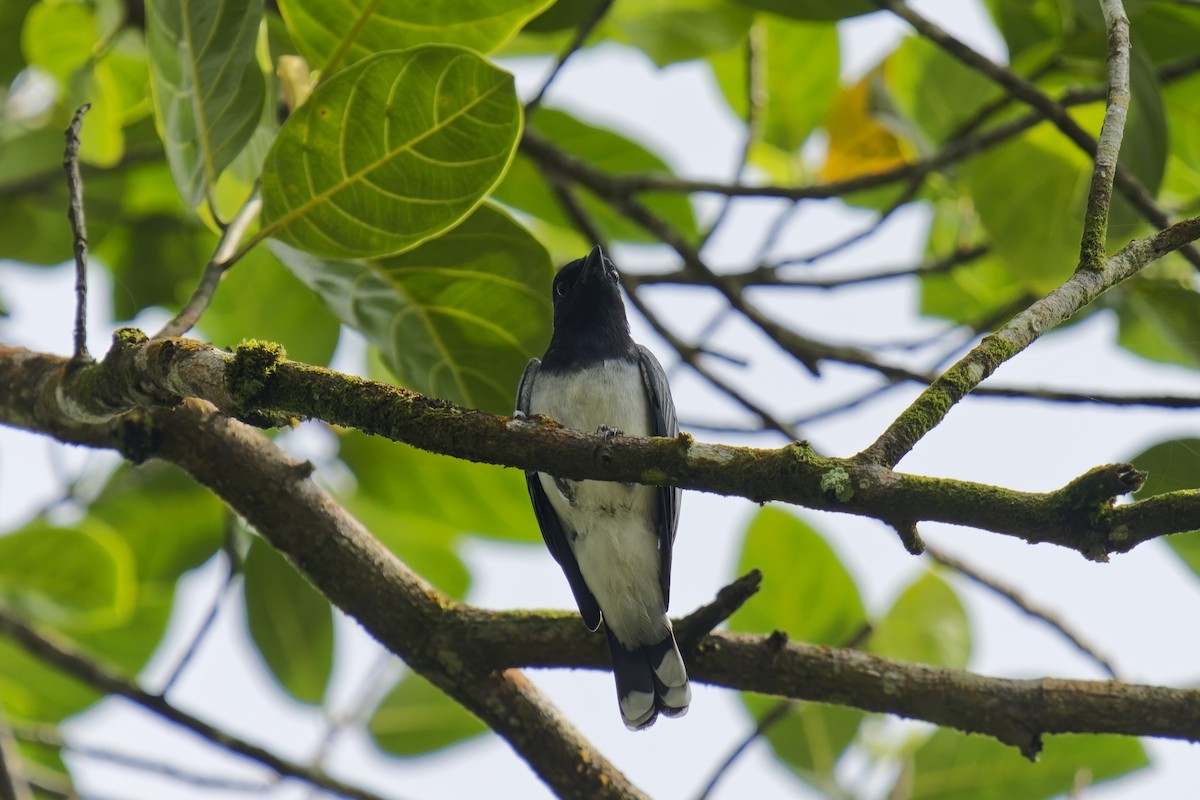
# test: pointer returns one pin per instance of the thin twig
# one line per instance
(753, 89)
(48, 736)
(75, 214)
(1030, 609)
(209, 619)
(1084, 286)
(14, 783)
(581, 34)
(1108, 146)
(373, 687)
(225, 256)
(1053, 111)
(774, 715)
(64, 655)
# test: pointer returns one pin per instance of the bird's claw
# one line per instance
(609, 433)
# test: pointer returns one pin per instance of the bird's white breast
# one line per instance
(611, 525)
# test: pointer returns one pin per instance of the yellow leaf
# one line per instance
(860, 139)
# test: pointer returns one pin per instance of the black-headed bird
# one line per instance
(613, 540)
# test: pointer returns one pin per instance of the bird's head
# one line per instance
(587, 295)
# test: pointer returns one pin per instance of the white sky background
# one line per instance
(1133, 609)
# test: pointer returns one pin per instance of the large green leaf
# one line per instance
(812, 9)
(1181, 184)
(12, 23)
(290, 623)
(808, 593)
(170, 523)
(419, 487)
(934, 89)
(927, 624)
(352, 30)
(58, 38)
(457, 318)
(798, 62)
(678, 30)
(810, 738)
(955, 766)
(55, 574)
(390, 152)
(1160, 320)
(1173, 466)
(525, 189)
(1026, 24)
(1034, 223)
(208, 88)
(418, 718)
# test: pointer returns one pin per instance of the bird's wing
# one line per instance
(663, 423)
(548, 519)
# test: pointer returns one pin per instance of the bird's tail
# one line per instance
(650, 679)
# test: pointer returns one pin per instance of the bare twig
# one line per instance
(753, 89)
(1027, 607)
(1055, 112)
(225, 256)
(65, 656)
(577, 41)
(14, 784)
(47, 735)
(1108, 146)
(928, 410)
(772, 717)
(75, 213)
(209, 619)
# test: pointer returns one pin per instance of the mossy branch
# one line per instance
(43, 393)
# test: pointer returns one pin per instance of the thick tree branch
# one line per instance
(457, 646)
(38, 392)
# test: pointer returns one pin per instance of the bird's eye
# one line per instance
(616, 276)
(562, 288)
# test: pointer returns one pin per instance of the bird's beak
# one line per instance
(593, 266)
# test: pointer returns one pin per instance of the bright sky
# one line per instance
(1119, 606)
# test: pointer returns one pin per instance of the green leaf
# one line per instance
(433, 131)
(810, 739)
(58, 37)
(799, 67)
(1034, 223)
(425, 545)
(955, 766)
(1181, 183)
(1173, 466)
(170, 523)
(525, 189)
(926, 624)
(287, 311)
(562, 15)
(806, 592)
(934, 89)
(418, 718)
(812, 9)
(208, 88)
(1026, 24)
(12, 23)
(670, 31)
(290, 623)
(1159, 320)
(412, 485)
(457, 318)
(59, 574)
(350, 31)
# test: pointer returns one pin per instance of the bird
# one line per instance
(612, 540)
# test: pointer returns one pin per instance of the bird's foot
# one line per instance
(608, 433)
